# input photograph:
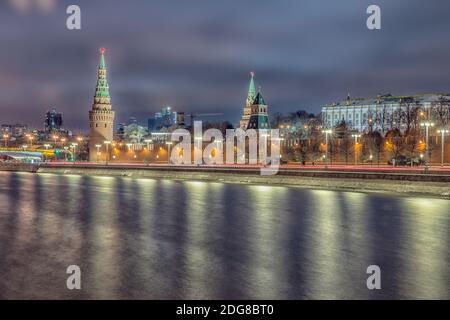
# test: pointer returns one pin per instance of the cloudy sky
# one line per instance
(196, 55)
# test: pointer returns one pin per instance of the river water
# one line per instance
(160, 239)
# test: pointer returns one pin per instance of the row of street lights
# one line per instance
(426, 125)
(107, 143)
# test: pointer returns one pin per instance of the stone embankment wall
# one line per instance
(405, 183)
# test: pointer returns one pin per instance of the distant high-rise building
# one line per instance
(132, 120)
(163, 119)
(101, 117)
(53, 121)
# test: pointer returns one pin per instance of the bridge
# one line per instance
(22, 156)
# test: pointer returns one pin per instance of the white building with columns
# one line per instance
(386, 112)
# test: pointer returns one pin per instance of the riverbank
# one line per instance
(435, 185)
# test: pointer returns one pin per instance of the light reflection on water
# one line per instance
(194, 240)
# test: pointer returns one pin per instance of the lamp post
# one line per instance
(98, 146)
(427, 125)
(74, 148)
(443, 132)
(65, 153)
(168, 151)
(55, 138)
(356, 136)
(148, 141)
(327, 132)
(30, 139)
(5, 138)
(107, 143)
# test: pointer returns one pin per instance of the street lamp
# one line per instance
(443, 132)
(5, 138)
(148, 141)
(427, 125)
(356, 136)
(98, 146)
(327, 132)
(55, 137)
(65, 153)
(30, 139)
(168, 151)
(107, 143)
(74, 146)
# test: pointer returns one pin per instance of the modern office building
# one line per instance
(53, 121)
(163, 119)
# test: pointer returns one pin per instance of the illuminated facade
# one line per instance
(386, 112)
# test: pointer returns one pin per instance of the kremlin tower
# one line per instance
(250, 98)
(255, 109)
(101, 117)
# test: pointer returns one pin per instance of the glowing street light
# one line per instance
(427, 125)
(98, 146)
(5, 138)
(65, 153)
(356, 136)
(30, 139)
(148, 141)
(168, 151)
(55, 138)
(443, 132)
(107, 143)
(74, 147)
(327, 132)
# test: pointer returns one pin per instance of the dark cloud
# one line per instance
(196, 55)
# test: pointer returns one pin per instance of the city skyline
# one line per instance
(197, 62)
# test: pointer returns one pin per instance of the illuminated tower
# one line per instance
(248, 104)
(259, 118)
(101, 117)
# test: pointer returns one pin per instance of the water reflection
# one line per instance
(157, 239)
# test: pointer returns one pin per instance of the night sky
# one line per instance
(196, 55)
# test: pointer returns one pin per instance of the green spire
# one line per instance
(251, 90)
(259, 100)
(102, 89)
(102, 64)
